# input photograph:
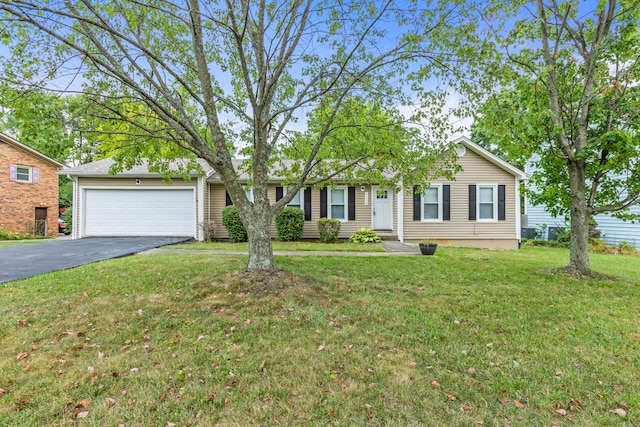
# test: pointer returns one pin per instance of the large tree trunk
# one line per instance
(259, 233)
(579, 253)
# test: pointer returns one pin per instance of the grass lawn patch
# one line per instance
(19, 242)
(287, 246)
(468, 337)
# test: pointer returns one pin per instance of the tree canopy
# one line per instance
(222, 79)
(564, 92)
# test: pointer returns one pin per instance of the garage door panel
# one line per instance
(139, 212)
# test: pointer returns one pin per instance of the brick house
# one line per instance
(28, 189)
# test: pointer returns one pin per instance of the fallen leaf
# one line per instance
(451, 398)
(22, 355)
(25, 367)
(277, 421)
(435, 383)
(561, 412)
(617, 387)
(171, 424)
(471, 371)
(320, 348)
(413, 364)
(490, 345)
(518, 404)
(432, 352)
(464, 408)
(82, 404)
(83, 414)
(85, 294)
(619, 411)
(110, 401)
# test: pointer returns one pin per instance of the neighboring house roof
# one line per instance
(467, 143)
(4, 138)
(100, 168)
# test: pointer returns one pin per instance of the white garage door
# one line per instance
(139, 212)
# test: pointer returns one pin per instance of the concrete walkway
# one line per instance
(395, 249)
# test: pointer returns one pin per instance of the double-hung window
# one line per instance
(487, 203)
(432, 203)
(297, 201)
(23, 173)
(338, 203)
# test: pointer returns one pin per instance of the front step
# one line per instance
(387, 235)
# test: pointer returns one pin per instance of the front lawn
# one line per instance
(466, 338)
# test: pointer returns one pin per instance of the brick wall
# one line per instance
(18, 200)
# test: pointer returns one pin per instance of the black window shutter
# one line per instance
(416, 203)
(228, 199)
(446, 202)
(307, 204)
(472, 202)
(323, 202)
(279, 193)
(501, 203)
(351, 191)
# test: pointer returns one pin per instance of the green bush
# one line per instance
(365, 235)
(289, 224)
(208, 230)
(67, 217)
(328, 230)
(231, 221)
(10, 235)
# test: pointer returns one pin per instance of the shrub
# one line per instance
(365, 235)
(233, 224)
(208, 228)
(328, 230)
(289, 224)
(67, 217)
(11, 235)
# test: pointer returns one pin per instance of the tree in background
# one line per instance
(566, 93)
(221, 79)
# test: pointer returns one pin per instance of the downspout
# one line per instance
(199, 195)
(518, 213)
(401, 213)
(75, 207)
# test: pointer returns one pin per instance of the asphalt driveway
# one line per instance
(23, 261)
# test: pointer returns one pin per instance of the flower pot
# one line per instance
(428, 248)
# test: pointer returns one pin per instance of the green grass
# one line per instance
(166, 338)
(288, 246)
(19, 242)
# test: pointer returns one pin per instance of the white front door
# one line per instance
(382, 208)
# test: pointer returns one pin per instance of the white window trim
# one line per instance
(494, 187)
(29, 171)
(439, 219)
(346, 203)
(249, 192)
(301, 193)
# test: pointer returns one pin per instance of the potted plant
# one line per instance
(428, 247)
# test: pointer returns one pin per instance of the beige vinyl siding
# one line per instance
(363, 213)
(459, 230)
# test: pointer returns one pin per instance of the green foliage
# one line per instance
(365, 235)
(10, 235)
(289, 224)
(208, 230)
(67, 217)
(329, 229)
(232, 222)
